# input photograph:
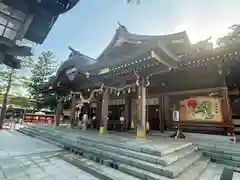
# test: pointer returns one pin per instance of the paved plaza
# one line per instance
(26, 158)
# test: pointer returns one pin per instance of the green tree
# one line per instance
(232, 37)
(11, 78)
(19, 101)
(42, 70)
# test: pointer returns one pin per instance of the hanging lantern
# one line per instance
(147, 82)
(129, 90)
(118, 93)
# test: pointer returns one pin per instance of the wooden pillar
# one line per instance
(104, 114)
(58, 113)
(166, 108)
(226, 109)
(98, 110)
(133, 113)
(161, 113)
(127, 111)
(73, 108)
(141, 110)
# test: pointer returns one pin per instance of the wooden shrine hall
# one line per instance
(141, 78)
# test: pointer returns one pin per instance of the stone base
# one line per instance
(141, 133)
(178, 134)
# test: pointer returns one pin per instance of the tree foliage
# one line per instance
(231, 37)
(42, 70)
(12, 79)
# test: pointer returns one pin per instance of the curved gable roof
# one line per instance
(123, 35)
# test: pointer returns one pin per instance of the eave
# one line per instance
(122, 35)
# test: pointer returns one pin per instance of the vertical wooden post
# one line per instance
(226, 109)
(73, 108)
(58, 113)
(161, 113)
(134, 116)
(98, 110)
(127, 111)
(141, 110)
(167, 120)
(104, 114)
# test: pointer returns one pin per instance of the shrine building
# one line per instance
(141, 78)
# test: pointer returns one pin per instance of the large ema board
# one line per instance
(201, 108)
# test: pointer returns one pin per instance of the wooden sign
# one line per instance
(201, 108)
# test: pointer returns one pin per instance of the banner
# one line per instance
(201, 108)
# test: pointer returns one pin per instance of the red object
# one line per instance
(192, 104)
(39, 119)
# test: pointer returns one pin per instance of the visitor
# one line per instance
(122, 123)
(93, 122)
(147, 128)
(84, 121)
(176, 118)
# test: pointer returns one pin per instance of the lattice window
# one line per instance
(11, 21)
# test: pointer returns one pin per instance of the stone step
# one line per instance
(164, 160)
(140, 173)
(145, 150)
(195, 170)
(96, 138)
(34, 133)
(43, 138)
(212, 172)
(225, 161)
(234, 151)
(191, 173)
(176, 168)
(98, 170)
(170, 171)
(224, 158)
(181, 166)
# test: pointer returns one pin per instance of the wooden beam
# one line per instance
(195, 91)
(155, 56)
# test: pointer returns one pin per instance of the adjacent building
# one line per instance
(30, 20)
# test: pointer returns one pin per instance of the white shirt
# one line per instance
(85, 118)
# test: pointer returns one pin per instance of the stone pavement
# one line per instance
(26, 158)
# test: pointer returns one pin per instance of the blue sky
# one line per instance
(90, 25)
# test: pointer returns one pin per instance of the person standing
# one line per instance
(85, 121)
(122, 123)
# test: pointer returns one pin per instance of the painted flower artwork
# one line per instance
(201, 110)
